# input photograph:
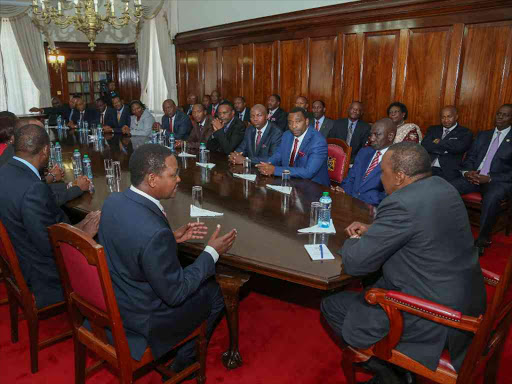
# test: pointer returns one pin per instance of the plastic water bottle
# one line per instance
(51, 161)
(77, 163)
(171, 142)
(86, 126)
(59, 122)
(99, 132)
(154, 137)
(324, 217)
(58, 154)
(46, 126)
(88, 171)
(202, 148)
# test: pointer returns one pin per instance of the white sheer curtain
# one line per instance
(166, 28)
(17, 90)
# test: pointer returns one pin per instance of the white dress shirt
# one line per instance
(262, 132)
(382, 152)
(436, 161)
(502, 137)
(301, 137)
(213, 253)
(243, 114)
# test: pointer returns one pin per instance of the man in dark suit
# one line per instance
(446, 144)
(303, 102)
(201, 128)
(215, 100)
(160, 302)
(352, 130)
(110, 93)
(487, 169)
(57, 109)
(29, 208)
(261, 139)
(241, 110)
(174, 121)
(207, 104)
(421, 240)
(191, 101)
(83, 114)
(303, 151)
(275, 114)
(115, 122)
(363, 180)
(228, 130)
(320, 122)
(106, 115)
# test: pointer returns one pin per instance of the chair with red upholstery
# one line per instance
(90, 295)
(483, 354)
(20, 296)
(338, 161)
(473, 202)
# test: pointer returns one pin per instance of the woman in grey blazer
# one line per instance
(142, 120)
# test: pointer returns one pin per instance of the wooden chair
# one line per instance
(473, 202)
(483, 354)
(89, 294)
(19, 296)
(338, 161)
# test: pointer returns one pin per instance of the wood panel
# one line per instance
(484, 63)
(350, 72)
(264, 62)
(181, 76)
(210, 71)
(379, 66)
(425, 75)
(194, 76)
(291, 53)
(230, 71)
(322, 63)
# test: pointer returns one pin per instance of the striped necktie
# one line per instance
(373, 164)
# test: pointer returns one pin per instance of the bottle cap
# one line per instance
(325, 194)
(76, 149)
(86, 156)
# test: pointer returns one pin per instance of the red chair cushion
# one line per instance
(336, 162)
(445, 361)
(83, 277)
(474, 197)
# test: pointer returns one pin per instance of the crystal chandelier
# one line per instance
(86, 19)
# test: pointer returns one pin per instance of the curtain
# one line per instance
(30, 44)
(165, 30)
(143, 51)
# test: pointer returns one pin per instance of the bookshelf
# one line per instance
(84, 77)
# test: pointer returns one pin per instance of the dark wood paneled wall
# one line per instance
(425, 54)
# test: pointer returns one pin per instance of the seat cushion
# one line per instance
(474, 197)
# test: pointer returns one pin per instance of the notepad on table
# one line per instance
(245, 176)
(318, 252)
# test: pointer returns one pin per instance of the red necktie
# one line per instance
(258, 139)
(317, 125)
(373, 164)
(171, 128)
(213, 111)
(292, 158)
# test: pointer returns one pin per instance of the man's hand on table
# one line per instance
(82, 182)
(223, 243)
(357, 229)
(90, 223)
(190, 231)
(266, 169)
(337, 188)
(54, 175)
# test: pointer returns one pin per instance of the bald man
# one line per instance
(174, 121)
(363, 180)
(261, 140)
(447, 143)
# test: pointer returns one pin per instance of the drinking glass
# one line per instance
(116, 165)
(109, 171)
(285, 181)
(247, 165)
(197, 196)
(313, 219)
(285, 203)
(184, 146)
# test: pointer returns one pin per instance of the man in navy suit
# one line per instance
(191, 101)
(83, 114)
(106, 115)
(303, 151)
(446, 144)
(242, 111)
(275, 114)
(261, 139)
(160, 302)
(115, 122)
(174, 121)
(487, 169)
(29, 208)
(363, 180)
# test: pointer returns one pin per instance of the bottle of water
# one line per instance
(77, 163)
(202, 148)
(171, 142)
(46, 126)
(154, 137)
(58, 154)
(86, 126)
(324, 217)
(51, 161)
(88, 171)
(99, 132)
(59, 122)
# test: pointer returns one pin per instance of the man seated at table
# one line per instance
(421, 241)
(120, 119)
(160, 302)
(29, 208)
(261, 140)
(57, 109)
(174, 121)
(83, 115)
(106, 115)
(201, 128)
(228, 130)
(363, 180)
(303, 151)
(243, 112)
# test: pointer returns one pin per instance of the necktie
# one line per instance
(490, 155)
(81, 117)
(292, 157)
(445, 132)
(258, 138)
(350, 132)
(373, 164)
(213, 111)
(241, 116)
(118, 116)
(102, 118)
(269, 115)
(317, 125)
(171, 128)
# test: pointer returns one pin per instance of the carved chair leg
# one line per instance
(202, 344)
(33, 335)
(347, 365)
(13, 312)
(80, 358)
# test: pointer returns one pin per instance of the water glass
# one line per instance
(116, 165)
(313, 217)
(197, 196)
(285, 181)
(94, 132)
(109, 171)
(204, 156)
(247, 165)
(184, 146)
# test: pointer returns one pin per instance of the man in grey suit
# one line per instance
(352, 130)
(320, 122)
(421, 241)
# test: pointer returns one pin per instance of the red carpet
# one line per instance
(281, 342)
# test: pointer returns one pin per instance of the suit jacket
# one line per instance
(311, 160)
(144, 127)
(187, 109)
(62, 194)
(370, 190)
(149, 283)
(280, 118)
(181, 127)
(422, 241)
(63, 110)
(124, 119)
(501, 165)
(28, 209)
(110, 118)
(6, 155)
(326, 126)
(359, 137)
(269, 143)
(247, 115)
(450, 150)
(226, 142)
(196, 136)
(210, 109)
(90, 115)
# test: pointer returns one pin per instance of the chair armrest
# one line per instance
(490, 278)
(422, 308)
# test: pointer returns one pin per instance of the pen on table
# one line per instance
(321, 252)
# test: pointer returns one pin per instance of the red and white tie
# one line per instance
(317, 125)
(292, 157)
(373, 164)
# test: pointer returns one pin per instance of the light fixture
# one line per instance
(86, 19)
(56, 59)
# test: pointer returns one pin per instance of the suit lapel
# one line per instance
(305, 143)
(504, 143)
(147, 203)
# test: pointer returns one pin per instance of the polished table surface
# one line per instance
(267, 221)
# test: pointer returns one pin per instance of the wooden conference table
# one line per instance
(267, 221)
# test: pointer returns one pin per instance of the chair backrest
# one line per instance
(88, 291)
(338, 161)
(493, 329)
(11, 271)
